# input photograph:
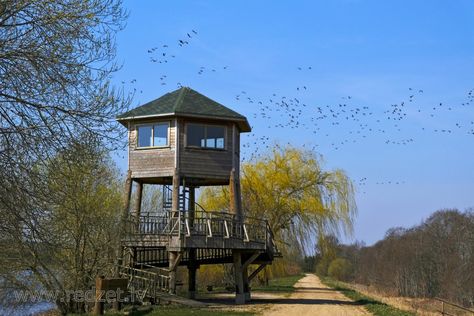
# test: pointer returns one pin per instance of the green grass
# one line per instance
(283, 284)
(183, 311)
(175, 310)
(375, 307)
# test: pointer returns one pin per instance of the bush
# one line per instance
(340, 269)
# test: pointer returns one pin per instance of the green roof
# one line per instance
(185, 102)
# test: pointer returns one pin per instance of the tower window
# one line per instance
(153, 135)
(205, 136)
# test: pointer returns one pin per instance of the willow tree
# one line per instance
(302, 201)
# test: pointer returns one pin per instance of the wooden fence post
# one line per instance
(99, 302)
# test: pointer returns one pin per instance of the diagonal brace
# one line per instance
(250, 260)
(254, 273)
(176, 262)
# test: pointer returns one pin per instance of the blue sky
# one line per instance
(353, 54)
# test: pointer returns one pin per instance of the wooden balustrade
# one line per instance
(223, 225)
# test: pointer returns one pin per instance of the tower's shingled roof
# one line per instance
(185, 102)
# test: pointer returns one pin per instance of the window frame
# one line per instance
(205, 136)
(152, 124)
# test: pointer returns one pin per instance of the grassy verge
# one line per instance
(283, 284)
(184, 311)
(177, 311)
(375, 307)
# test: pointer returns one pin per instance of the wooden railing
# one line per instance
(150, 281)
(210, 224)
(451, 309)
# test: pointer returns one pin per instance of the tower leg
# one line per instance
(138, 201)
(123, 220)
(173, 266)
(175, 197)
(192, 266)
(192, 277)
(234, 193)
(128, 193)
(136, 210)
(246, 284)
(239, 280)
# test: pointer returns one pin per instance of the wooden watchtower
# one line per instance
(182, 141)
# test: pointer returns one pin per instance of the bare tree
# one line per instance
(56, 62)
(433, 259)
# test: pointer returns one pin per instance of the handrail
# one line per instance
(151, 281)
(443, 302)
(219, 224)
(210, 224)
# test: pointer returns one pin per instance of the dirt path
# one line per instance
(314, 298)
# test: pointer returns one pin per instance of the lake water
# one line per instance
(26, 310)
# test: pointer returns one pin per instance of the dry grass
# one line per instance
(420, 306)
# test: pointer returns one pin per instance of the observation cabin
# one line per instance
(187, 133)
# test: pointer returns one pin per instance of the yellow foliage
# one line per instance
(301, 201)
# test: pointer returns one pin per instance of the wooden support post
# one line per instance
(234, 193)
(192, 265)
(175, 216)
(192, 268)
(246, 284)
(238, 197)
(246, 280)
(175, 197)
(174, 259)
(138, 201)
(192, 206)
(239, 280)
(123, 221)
(128, 193)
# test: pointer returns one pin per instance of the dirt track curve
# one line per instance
(314, 298)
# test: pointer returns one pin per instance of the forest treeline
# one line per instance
(433, 259)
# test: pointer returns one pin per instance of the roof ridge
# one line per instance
(184, 101)
(180, 98)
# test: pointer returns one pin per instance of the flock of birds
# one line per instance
(339, 124)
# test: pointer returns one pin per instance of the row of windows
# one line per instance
(198, 135)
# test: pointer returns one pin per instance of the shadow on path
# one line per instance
(281, 301)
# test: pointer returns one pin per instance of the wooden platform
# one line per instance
(206, 231)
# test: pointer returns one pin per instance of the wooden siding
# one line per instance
(196, 163)
(151, 162)
(205, 163)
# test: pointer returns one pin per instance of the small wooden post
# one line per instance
(99, 300)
